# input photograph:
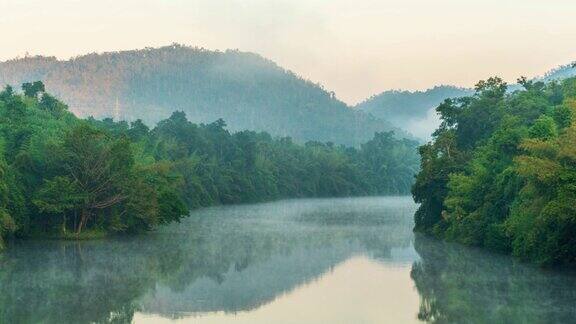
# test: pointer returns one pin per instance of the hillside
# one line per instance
(411, 110)
(244, 89)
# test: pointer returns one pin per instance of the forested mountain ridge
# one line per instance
(499, 172)
(410, 110)
(403, 103)
(414, 112)
(63, 176)
(245, 89)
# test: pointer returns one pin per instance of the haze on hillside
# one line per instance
(354, 48)
(246, 90)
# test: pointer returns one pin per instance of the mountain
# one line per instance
(559, 73)
(411, 110)
(245, 89)
(414, 111)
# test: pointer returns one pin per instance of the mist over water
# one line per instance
(324, 260)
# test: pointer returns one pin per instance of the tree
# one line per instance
(99, 165)
(33, 89)
(544, 128)
(52, 105)
(59, 196)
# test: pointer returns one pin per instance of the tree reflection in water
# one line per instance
(458, 284)
(220, 259)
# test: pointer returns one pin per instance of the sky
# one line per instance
(355, 48)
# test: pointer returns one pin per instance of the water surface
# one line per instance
(297, 261)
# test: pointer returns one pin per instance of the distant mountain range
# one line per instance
(414, 111)
(245, 89)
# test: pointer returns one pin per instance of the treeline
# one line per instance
(501, 171)
(64, 176)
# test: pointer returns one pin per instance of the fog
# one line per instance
(331, 260)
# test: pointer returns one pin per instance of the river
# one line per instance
(353, 260)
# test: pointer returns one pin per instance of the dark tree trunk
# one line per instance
(84, 215)
(64, 223)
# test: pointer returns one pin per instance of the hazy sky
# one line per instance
(356, 48)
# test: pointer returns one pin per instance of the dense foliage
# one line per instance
(500, 171)
(245, 89)
(61, 176)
